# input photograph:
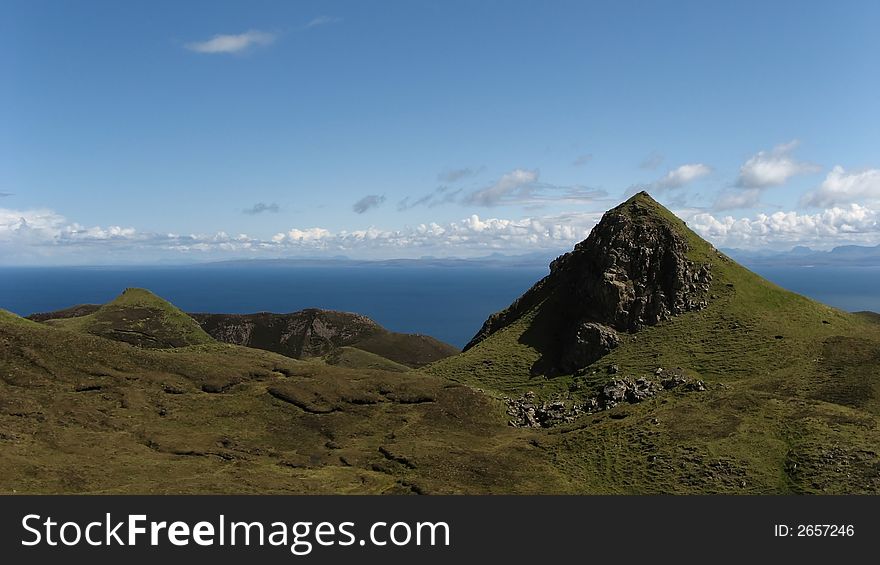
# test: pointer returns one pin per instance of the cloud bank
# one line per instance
(841, 187)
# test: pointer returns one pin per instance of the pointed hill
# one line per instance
(642, 292)
(136, 316)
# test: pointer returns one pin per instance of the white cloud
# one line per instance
(44, 236)
(834, 226)
(841, 187)
(685, 174)
(773, 168)
(232, 43)
(468, 236)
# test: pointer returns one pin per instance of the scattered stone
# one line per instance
(528, 412)
(613, 369)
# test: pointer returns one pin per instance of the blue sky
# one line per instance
(189, 131)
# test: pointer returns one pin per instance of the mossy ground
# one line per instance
(141, 318)
(85, 414)
(791, 407)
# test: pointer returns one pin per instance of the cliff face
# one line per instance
(307, 333)
(632, 271)
(315, 333)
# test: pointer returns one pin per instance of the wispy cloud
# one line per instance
(678, 177)
(439, 196)
(368, 202)
(5, 194)
(652, 161)
(738, 198)
(842, 187)
(455, 175)
(261, 207)
(515, 185)
(521, 187)
(232, 43)
(582, 160)
(321, 21)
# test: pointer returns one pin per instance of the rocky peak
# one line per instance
(633, 270)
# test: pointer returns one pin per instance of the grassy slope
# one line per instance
(141, 318)
(792, 406)
(80, 413)
(354, 358)
(794, 414)
(412, 350)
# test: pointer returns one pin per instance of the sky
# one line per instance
(174, 132)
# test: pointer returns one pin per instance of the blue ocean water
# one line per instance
(449, 303)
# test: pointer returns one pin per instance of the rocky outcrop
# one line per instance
(632, 271)
(591, 341)
(316, 333)
(529, 412)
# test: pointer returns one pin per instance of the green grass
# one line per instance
(354, 358)
(791, 406)
(140, 318)
(790, 382)
(84, 414)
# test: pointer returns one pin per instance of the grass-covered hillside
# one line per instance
(85, 414)
(792, 399)
(136, 316)
(646, 362)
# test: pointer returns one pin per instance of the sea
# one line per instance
(446, 302)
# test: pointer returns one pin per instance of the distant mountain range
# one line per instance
(536, 259)
(800, 256)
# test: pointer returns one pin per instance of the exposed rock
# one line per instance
(316, 333)
(632, 271)
(591, 342)
(527, 412)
